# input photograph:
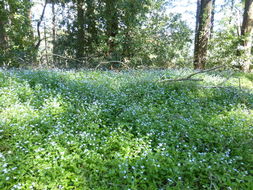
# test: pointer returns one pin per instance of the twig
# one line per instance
(181, 79)
(205, 71)
(215, 86)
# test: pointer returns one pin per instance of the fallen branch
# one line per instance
(215, 87)
(181, 79)
(205, 71)
(189, 77)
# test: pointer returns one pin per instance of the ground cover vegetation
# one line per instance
(125, 130)
(100, 94)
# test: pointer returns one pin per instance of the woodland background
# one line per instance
(123, 34)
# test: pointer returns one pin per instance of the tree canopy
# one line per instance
(144, 33)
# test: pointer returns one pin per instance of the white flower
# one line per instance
(1, 155)
(240, 48)
(169, 180)
(5, 171)
(152, 56)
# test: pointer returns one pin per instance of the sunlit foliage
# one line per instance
(107, 130)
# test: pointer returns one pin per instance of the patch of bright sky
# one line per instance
(187, 8)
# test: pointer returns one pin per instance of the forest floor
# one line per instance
(125, 130)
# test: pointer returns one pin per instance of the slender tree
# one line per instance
(112, 24)
(246, 33)
(53, 27)
(203, 28)
(3, 21)
(39, 23)
(212, 18)
(80, 45)
(90, 20)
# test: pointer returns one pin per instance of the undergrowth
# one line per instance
(108, 130)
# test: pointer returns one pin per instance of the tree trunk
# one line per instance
(53, 26)
(46, 46)
(29, 19)
(3, 35)
(92, 36)
(39, 23)
(212, 19)
(197, 21)
(203, 26)
(111, 24)
(246, 34)
(80, 30)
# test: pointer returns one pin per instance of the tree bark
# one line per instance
(212, 19)
(197, 23)
(203, 27)
(46, 46)
(246, 33)
(111, 24)
(53, 30)
(53, 26)
(92, 36)
(39, 23)
(80, 30)
(3, 21)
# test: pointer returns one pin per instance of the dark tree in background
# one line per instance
(212, 19)
(112, 24)
(90, 20)
(16, 33)
(246, 33)
(203, 28)
(80, 43)
(53, 25)
(84, 33)
(3, 22)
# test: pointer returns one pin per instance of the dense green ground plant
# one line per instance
(107, 130)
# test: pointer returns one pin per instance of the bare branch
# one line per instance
(205, 71)
(182, 79)
(189, 77)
